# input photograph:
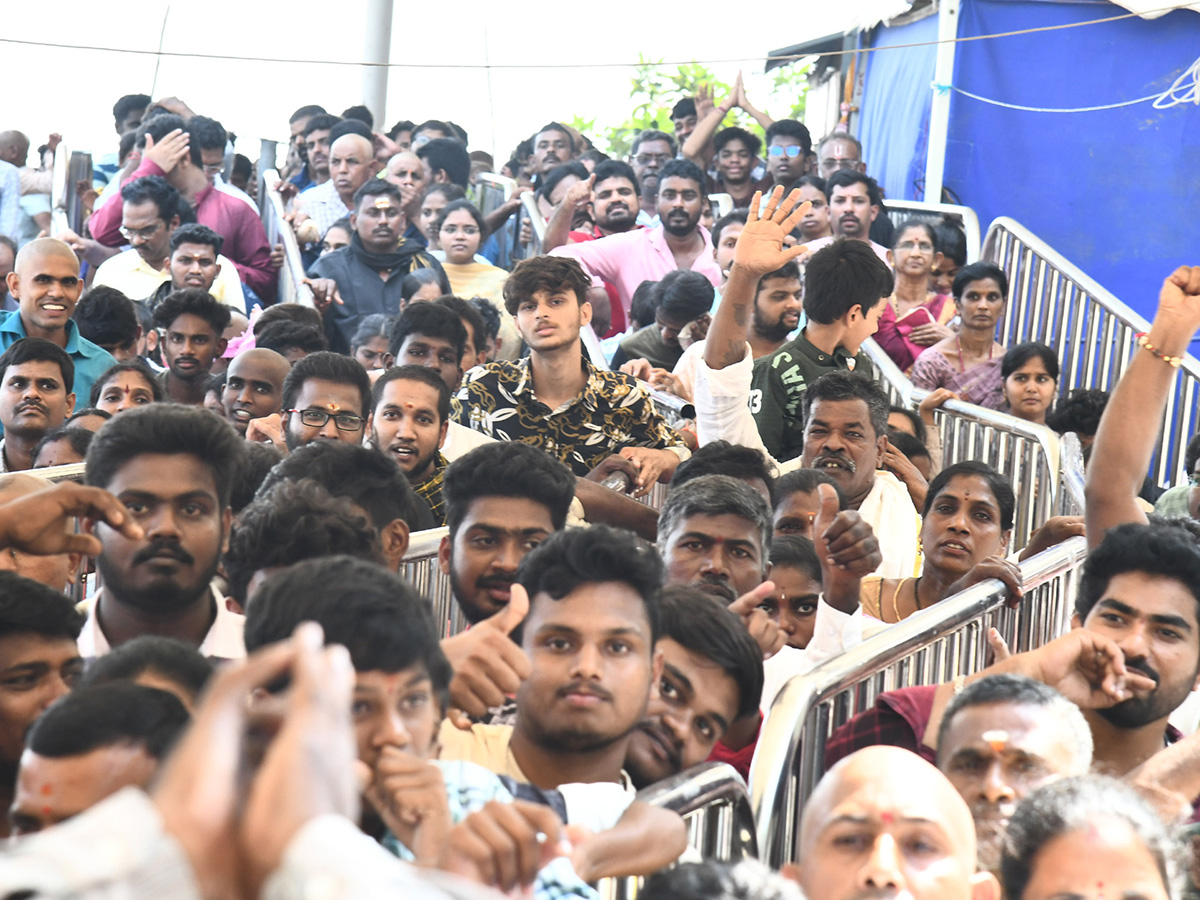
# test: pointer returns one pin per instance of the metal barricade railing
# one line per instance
(900, 211)
(1025, 453)
(931, 647)
(66, 203)
(722, 205)
(292, 288)
(69, 472)
(421, 569)
(530, 212)
(715, 806)
(494, 191)
(1053, 301)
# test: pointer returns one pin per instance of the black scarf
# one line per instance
(402, 258)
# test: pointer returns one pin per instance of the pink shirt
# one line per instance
(626, 260)
(233, 219)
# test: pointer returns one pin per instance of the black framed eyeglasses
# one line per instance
(316, 418)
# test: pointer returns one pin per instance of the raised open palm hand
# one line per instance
(760, 248)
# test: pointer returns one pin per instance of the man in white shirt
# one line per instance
(150, 220)
(171, 466)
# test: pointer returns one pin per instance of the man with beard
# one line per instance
(410, 412)
(612, 192)
(1131, 658)
(502, 500)
(854, 204)
(364, 279)
(150, 218)
(626, 260)
(36, 395)
(326, 397)
(173, 469)
(1001, 738)
(193, 324)
(651, 151)
(195, 261)
(590, 635)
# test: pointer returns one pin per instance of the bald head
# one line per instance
(254, 386)
(351, 163)
(14, 147)
(884, 823)
(32, 254)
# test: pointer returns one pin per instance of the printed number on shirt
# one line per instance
(755, 401)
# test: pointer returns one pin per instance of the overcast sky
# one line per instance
(72, 91)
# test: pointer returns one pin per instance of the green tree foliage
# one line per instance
(656, 88)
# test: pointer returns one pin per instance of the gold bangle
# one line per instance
(1143, 341)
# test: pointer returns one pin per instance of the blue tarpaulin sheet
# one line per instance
(1115, 191)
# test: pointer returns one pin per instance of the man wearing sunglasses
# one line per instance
(788, 146)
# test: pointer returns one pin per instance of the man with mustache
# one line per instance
(681, 242)
(590, 635)
(195, 261)
(193, 325)
(173, 468)
(854, 204)
(501, 500)
(36, 394)
(152, 212)
(364, 279)
(410, 413)
(1001, 738)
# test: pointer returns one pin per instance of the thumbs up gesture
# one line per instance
(488, 665)
(847, 548)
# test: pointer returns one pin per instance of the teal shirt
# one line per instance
(91, 361)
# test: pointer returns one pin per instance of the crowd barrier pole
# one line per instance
(1027, 454)
(722, 205)
(66, 203)
(292, 288)
(494, 191)
(900, 211)
(931, 647)
(1053, 301)
(421, 569)
(537, 225)
(715, 805)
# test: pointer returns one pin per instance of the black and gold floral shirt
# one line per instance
(612, 412)
(430, 490)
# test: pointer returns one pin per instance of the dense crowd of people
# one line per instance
(220, 684)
